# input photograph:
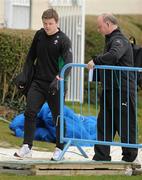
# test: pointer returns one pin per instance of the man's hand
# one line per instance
(21, 87)
(54, 86)
(90, 64)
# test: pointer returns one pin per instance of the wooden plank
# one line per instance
(68, 164)
(81, 165)
(10, 165)
(80, 172)
(17, 171)
(137, 172)
(41, 167)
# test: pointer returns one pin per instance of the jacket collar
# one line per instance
(116, 31)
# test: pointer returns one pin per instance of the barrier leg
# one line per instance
(64, 150)
(82, 151)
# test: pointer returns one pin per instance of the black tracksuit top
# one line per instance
(117, 52)
(49, 53)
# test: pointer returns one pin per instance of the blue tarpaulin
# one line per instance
(77, 126)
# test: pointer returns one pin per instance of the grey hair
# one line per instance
(110, 18)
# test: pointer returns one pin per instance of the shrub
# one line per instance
(14, 45)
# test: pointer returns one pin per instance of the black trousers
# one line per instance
(116, 120)
(36, 97)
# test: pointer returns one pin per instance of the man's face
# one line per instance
(103, 27)
(50, 26)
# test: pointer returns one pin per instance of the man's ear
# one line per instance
(107, 24)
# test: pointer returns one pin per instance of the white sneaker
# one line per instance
(56, 154)
(128, 171)
(24, 152)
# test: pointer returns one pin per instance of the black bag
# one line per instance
(137, 54)
(137, 51)
(23, 80)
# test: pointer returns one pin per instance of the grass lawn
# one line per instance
(7, 139)
(16, 177)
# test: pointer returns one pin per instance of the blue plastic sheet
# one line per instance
(77, 126)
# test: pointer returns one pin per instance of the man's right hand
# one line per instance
(21, 87)
(54, 86)
(90, 64)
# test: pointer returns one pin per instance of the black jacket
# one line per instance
(49, 54)
(117, 52)
(46, 57)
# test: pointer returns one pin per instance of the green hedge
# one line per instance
(14, 45)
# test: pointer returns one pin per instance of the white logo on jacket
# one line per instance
(55, 41)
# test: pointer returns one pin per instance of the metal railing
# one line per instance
(117, 80)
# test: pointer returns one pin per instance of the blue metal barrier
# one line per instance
(120, 77)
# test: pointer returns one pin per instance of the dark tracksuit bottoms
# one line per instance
(37, 95)
(120, 124)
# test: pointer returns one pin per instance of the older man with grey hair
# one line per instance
(119, 106)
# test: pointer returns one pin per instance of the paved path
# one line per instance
(71, 154)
